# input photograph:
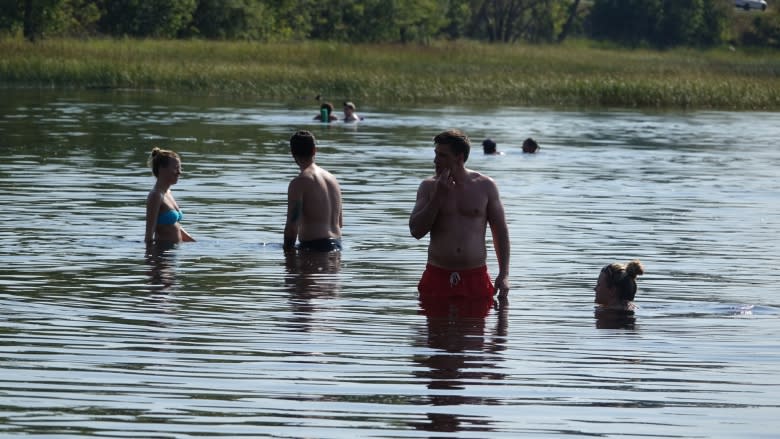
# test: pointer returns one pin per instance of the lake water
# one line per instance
(225, 338)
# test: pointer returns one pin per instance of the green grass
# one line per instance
(577, 74)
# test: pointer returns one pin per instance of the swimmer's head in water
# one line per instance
(489, 146)
(617, 282)
(530, 145)
(327, 106)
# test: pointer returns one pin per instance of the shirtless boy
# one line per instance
(314, 214)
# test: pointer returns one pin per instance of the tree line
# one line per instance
(652, 23)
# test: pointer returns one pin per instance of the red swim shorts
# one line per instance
(465, 293)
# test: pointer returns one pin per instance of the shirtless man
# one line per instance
(455, 206)
(314, 214)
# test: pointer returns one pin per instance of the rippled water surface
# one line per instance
(226, 338)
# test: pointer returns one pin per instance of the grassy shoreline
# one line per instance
(572, 75)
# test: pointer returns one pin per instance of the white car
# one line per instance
(750, 4)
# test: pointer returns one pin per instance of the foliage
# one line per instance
(636, 23)
(764, 30)
(11, 17)
(717, 17)
(232, 20)
(285, 20)
(49, 18)
(661, 23)
(513, 20)
(145, 18)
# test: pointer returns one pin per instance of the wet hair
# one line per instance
(302, 144)
(328, 106)
(457, 140)
(350, 105)
(161, 158)
(623, 277)
(530, 145)
(489, 146)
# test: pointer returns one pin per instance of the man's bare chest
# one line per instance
(470, 204)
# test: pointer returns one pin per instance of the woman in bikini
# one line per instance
(163, 215)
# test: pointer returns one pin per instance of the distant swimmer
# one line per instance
(349, 113)
(326, 113)
(616, 286)
(455, 206)
(489, 147)
(314, 210)
(163, 215)
(530, 146)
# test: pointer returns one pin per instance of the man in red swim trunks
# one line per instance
(455, 206)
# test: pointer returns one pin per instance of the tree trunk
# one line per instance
(569, 21)
(29, 25)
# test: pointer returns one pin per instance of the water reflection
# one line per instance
(615, 319)
(161, 259)
(310, 276)
(467, 354)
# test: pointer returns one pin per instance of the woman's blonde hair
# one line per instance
(161, 158)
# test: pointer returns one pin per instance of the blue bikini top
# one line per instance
(170, 217)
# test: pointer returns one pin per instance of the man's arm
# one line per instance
(425, 210)
(500, 232)
(294, 213)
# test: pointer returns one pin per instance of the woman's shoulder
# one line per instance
(154, 195)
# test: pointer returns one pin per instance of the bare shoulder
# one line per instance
(308, 174)
(481, 179)
(484, 184)
(319, 176)
(427, 183)
(324, 172)
(154, 196)
(330, 180)
(299, 183)
(425, 188)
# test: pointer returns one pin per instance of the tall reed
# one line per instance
(576, 74)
